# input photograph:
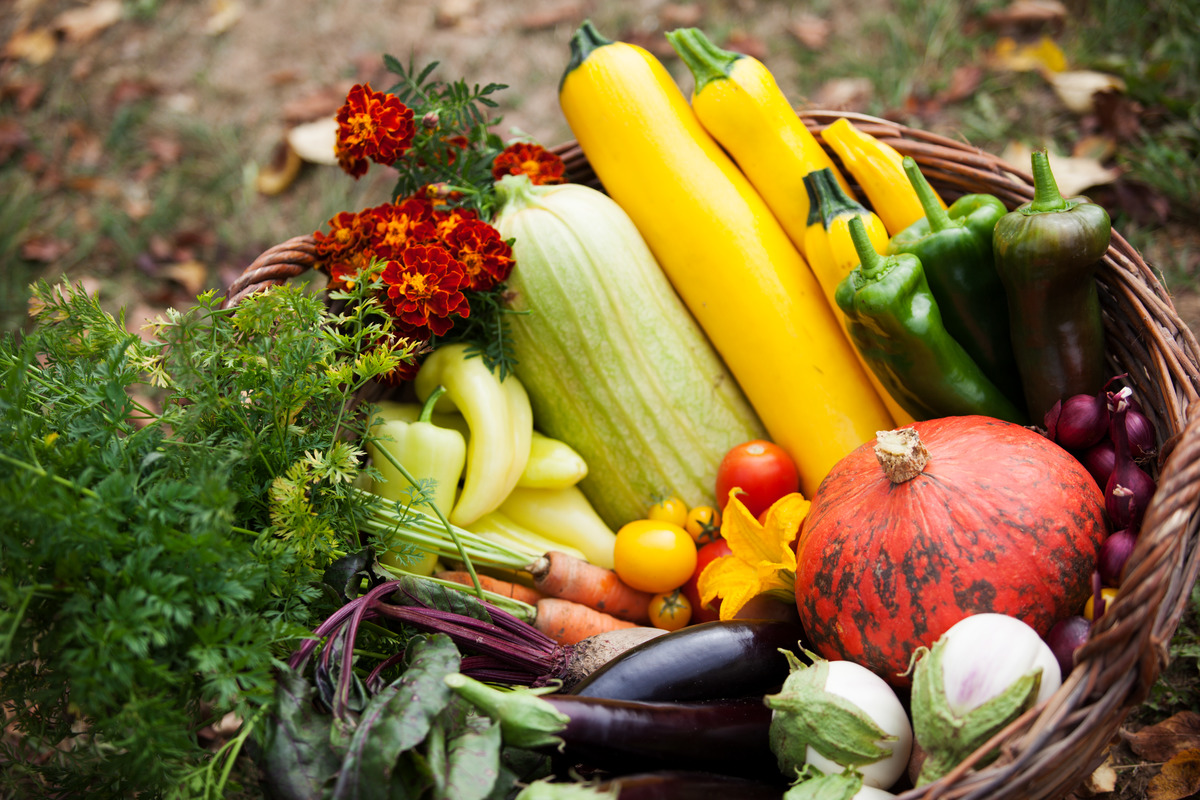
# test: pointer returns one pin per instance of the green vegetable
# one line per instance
(896, 325)
(955, 248)
(1048, 251)
(614, 364)
(434, 455)
(167, 507)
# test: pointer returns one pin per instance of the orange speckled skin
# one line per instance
(1002, 519)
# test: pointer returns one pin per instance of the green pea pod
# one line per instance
(1047, 253)
(895, 323)
(955, 248)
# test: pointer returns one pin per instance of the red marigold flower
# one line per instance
(424, 288)
(372, 125)
(448, 221)
(345, 234)
(486, 258)
(390, 228)
(348, 267)
(524, 158)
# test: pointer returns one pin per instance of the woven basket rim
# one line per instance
(1050, 750)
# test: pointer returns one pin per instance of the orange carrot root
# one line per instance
(567, 622)
(560, 575)
(513, 590)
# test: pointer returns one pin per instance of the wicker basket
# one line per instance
(1051, 749)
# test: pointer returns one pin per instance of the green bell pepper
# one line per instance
(428, 452)
(955, 248)
(1047, 253)
(894, 321)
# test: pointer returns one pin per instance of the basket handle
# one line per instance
(274, 267)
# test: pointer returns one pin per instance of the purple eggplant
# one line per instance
(685, 785)
(722, 659)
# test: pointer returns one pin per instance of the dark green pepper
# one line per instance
(1047, 253)
(893, 320)
(955, 248)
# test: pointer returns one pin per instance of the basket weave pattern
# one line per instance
(1051, 749)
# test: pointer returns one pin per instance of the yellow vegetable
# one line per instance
(553, 464)
(878, 169)
(564, 516)
(724, 252)
(739, 103)
(832, 256)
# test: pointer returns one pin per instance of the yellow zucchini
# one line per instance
(879, 170)
(738, 102)
(724, 252)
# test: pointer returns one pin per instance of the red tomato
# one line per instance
(691, 590)
(762, 470)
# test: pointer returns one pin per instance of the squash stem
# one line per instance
(586, 40)
(706, 61)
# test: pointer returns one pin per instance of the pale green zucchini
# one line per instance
(613, 362)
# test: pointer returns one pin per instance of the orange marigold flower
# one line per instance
(345, 234)
(486, 258)
(424, 288)
(523, 158)
(372, 125)
(390, 228)
(448, 221)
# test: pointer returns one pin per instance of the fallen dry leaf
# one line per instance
(191, 275)
(24, 93)
(740, 41)
(1073, 175)
(1041, 55)
(1026, 14)
(1103, 779)
(45, 249)
(1095, 146)
(224, 16)
(167, 149)
(84, 24)
(549, 17)
(451, 13)
(1076, 88)
(1118, 114)
(13, 138)
(35, 46)
(1163, 740)
(843, 94)
(680, 15)
(1179, 778)
(315, 142)
(810, 30)
(277, 176)
(964, 80)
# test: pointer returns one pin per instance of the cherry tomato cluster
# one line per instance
(659, 555)
(665, 553)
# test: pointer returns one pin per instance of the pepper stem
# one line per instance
(707, 62)
(938, 219)
(427, 409)
(870, 262)
(1046, 196)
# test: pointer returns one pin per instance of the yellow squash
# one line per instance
(739, 103)
(832, 256)
(724, 252)
(879, 170)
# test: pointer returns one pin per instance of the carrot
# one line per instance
(569, 623)
(501, 587)
(559, 575)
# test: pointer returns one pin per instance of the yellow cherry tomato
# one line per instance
(703, 524)
(654, 556)
(670, 610)
(1108, 594)
(669, 509)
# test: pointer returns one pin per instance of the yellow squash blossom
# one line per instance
(763, 559)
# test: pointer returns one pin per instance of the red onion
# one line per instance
(1129, 487)
(1067, 636)
(1079, 421)
(1099, 459)
(1113, 555)
(1137, 424)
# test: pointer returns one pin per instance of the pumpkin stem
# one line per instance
(901, 453)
